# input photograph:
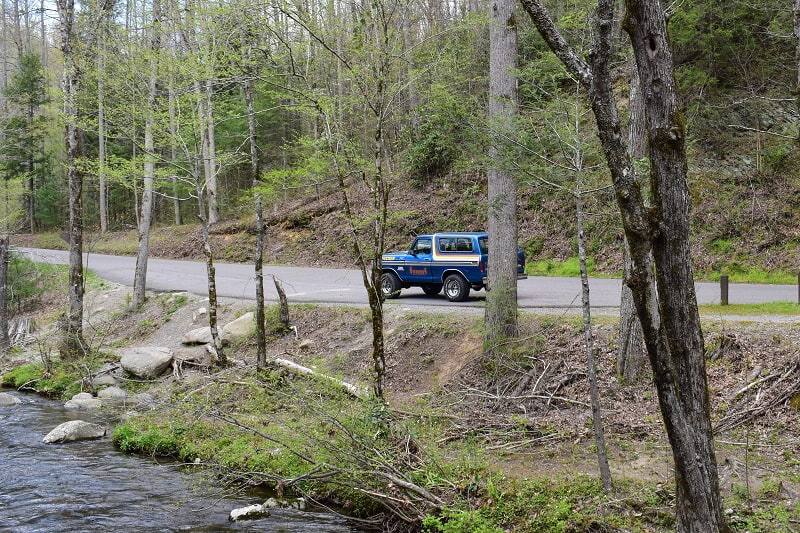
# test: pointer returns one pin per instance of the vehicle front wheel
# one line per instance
(390, 285)
(432, 289)
(456, 288)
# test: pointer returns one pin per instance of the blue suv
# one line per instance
(453, 261)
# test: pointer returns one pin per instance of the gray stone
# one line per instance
(74, 430)
(306, 344)
(8, 400)
(83, 400)
(103, 380)
(240, 329)
(112, 393)
(199, 314)
(146, 362)
(197, 336)
(144, 399)
(196, 355)
(248, 513)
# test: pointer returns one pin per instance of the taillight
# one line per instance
(482, 265)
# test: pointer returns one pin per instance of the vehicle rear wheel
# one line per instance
(390, 285)
(432, 289)
(456, 288)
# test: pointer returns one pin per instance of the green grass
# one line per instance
(749, 274)
(769, 308)
(63, 382)
(568, 268)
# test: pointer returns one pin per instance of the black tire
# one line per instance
(432, 289)
(456, 288)
(390, 285)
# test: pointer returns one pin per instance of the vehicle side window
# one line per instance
(422, 246)
(484, 243)
(455, 244)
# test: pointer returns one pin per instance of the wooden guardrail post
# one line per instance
(723, 290)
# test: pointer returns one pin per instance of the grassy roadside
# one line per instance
(768, 308)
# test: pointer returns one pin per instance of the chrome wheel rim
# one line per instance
(386, 286)
(453, 290)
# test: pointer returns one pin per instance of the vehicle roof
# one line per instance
(456, 234)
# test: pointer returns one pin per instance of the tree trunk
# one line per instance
(5, 344)
(673, 336)
(501, 298)
(594, 392)
(101, 140)
(797, 56)
(632, 353)
(283, 304)
(74, 344)
(173, 131)
(261, 334)
(211, 146)
(146, 218)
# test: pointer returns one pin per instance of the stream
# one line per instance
(90, 486)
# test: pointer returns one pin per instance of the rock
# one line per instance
(146, 362)
(83, 400)
(299, 504)
(306, 344)
(199, 314)
(240, 329)
(198, 356)
(198, 336)
(8, 400)
(272, 503)
(74, 430)
(143, 399)
(112, 393)
(248, 513)
(104, 380)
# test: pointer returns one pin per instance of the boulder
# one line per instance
(196, 355)
(112, 393)
(201, 312)
(144, 399)
(146, 362)
(306, 344)
(83, 400)
(198, 336)
(240, 329)
(104, 380)
(74, 430)
(249, 513)
(8, 400)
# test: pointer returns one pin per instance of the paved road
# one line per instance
(342, 286)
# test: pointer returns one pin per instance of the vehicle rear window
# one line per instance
(455, 244)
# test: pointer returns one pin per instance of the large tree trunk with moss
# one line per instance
(146, 217)
(632, 353)
(4, 260)
(673, 336)
(73, 344)
(501, 298)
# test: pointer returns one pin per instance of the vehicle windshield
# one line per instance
(422, 246)
(484, 243)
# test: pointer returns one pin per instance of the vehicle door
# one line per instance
(418, 269)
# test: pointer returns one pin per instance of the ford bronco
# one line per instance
(453, 261)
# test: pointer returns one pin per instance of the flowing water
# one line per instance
(89, 486)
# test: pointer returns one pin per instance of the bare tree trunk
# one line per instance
(101, 139)
(632, 353)
(672, 334)
(283, 304)
(146, 218)
(594, 392)
(173, 131)
(261, 334)
(797, 55)
(43, 34)
(74, 344)
(501, 298)
(211, 276)
(5, 344)
(211, 146)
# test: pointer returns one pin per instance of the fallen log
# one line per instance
(354, 390)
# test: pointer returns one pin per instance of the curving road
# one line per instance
(343, 286)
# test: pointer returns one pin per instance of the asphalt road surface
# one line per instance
(343, 286)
